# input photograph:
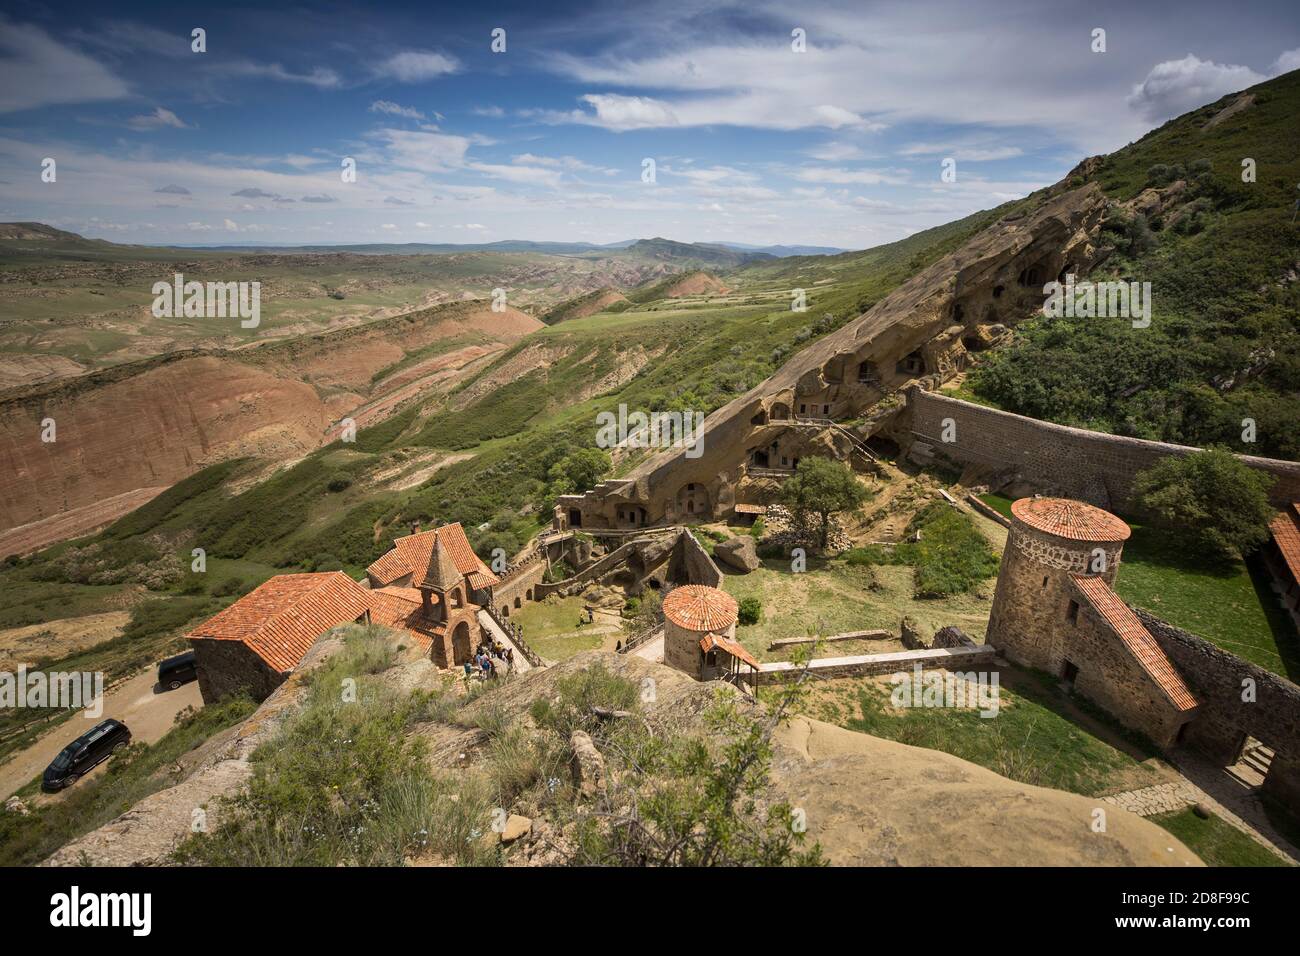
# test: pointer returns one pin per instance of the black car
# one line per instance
(85, 753)
(178, 670)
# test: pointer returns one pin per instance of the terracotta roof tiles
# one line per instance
(1286, 534)
(698, 607)
(410, 554)
(1121, 619)
(1071, 519)
(709, 641)
(281, 618)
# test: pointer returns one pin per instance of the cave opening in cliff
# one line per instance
(911, 364)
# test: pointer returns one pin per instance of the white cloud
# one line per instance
(966, 152)
(617, 112)
(833, 174)
(836, 152)
(1288, 61)
(156, 120)
(1176, 86)
(394, 109)
(415, 66)
(320, 77)
(424, 151)
(36, 71)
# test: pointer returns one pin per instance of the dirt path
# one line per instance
(149, 715)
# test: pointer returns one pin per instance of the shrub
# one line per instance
(1215, 502)
(751, 611)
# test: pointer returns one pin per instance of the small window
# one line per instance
(1044, 581)
(1072, 615)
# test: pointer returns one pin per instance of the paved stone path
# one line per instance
(1239, 808)
(1162, 798)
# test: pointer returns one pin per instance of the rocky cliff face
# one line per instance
(867, 801)
(921, 332)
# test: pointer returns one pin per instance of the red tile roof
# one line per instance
(709, 641)
(1286, 534)
(698, 607)
(1121, 619)
(410, 554)
(1071, 519)
(282, 617)
(403, 609)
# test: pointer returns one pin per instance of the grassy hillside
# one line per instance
(1222, 258)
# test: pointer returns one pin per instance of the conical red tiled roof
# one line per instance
(698, 607)
(1071, 519)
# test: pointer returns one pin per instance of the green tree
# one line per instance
(822, 487)
(581, 469)
(1212, 498)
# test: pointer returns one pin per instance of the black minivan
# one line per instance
(84, 754)
(178, 670)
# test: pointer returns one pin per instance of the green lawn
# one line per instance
(833, 597)
(551, 627)
(1228, 604)
(1215, 842)
(1039, 736)
(999, 503)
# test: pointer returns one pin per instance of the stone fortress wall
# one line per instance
(1237, 699)
(1091, 466)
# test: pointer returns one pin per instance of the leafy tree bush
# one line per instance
(751, 611)
(1212, 499)
(822, 487)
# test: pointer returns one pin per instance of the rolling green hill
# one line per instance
(1223, 260)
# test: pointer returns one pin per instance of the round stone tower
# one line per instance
(1051, 540)
(691, 612)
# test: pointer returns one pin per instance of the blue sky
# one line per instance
(840, 144)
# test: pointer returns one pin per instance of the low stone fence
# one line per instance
(948, 658)
(530, 655)
(987, 510)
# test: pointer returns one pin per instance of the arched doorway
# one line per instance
(460, 643)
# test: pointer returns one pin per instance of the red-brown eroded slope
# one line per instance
(147, 429)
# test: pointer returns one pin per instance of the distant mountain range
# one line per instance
(716, 253)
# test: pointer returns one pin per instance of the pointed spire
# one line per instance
(441, 575)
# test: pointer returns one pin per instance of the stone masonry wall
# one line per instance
(227, 667)
(947, 658)
(1091, 466)
(1111, 677)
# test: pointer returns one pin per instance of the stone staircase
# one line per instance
(1253, 766)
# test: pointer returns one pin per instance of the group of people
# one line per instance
(491, 659)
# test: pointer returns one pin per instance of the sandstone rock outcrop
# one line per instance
(739, 553)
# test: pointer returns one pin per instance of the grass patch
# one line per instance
(1038, 737)
(1214, 841)
(551, 627)
(1229, 603)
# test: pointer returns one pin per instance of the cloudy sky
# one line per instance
(753, 140)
